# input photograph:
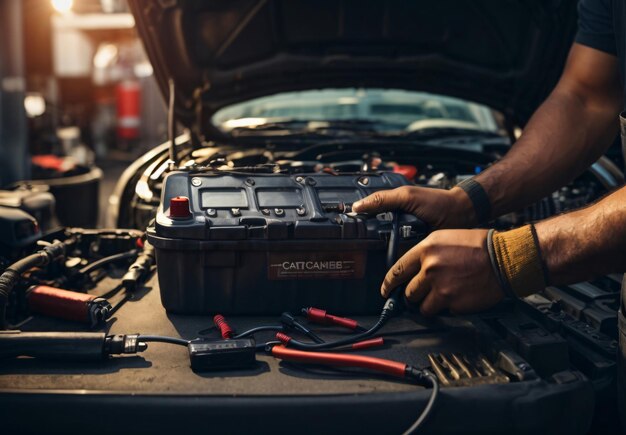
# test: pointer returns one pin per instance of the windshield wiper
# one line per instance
(274, 125)
(298, 126)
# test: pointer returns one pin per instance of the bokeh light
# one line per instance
(62, 6)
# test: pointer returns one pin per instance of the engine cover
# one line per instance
(267, 243)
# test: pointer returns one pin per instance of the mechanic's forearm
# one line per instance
(563, 138)
(567, 134)
(585, 243)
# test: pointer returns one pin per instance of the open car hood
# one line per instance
(506, 54)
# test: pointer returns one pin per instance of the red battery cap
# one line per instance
(179, 208)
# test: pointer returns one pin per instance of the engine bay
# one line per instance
(431, 165)
(253, 235)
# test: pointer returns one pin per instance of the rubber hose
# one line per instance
(12, 275)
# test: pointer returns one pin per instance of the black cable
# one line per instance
(306, 331)
(106, 260)
(389, 308)
(112, 293)
(258, 329)
(341, 342)
(26, 263)
(162, 339)
(116, 232)
(393, 303)
(141, 268)
(126, 297)
(392, 245)
(171, 122)
(265, 346)
(290, 322)
(434, 382)
(421, 377)
(425, 375)
(11, 276)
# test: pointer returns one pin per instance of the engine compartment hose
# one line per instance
(11, 276)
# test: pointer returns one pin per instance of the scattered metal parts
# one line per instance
(455, 370)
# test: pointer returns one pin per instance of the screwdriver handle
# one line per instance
(67, 346)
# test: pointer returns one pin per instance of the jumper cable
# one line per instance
(388, 367)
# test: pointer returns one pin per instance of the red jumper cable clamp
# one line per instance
(225, 330)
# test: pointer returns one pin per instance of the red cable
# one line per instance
(343, 321)
(321, 316)
(372, 342)
(389, 367)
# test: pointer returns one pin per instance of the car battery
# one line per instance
(250, 243)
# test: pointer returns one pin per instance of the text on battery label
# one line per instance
(314, 265)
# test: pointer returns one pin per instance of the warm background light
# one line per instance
(62, 6)
(34, 104)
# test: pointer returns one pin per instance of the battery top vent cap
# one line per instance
(179, 208)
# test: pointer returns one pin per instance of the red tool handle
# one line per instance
(321, 316)
(386, 366)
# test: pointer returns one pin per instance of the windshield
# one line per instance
(387, 110)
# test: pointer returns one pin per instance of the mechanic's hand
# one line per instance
(450, 269)
(436, 207)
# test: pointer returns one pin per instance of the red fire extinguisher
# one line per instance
(128, 95)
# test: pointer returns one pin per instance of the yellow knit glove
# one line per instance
(519, 260)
